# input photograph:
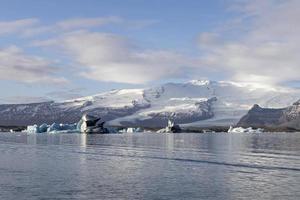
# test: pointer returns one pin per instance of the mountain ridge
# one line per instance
(284, 119)
(193, 103)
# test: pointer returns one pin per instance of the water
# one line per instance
(150, 166)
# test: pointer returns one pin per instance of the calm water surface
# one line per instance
(150, 166)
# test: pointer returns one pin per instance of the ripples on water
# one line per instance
(150, 166)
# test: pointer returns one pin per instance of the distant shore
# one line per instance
(14, 128)
(185, 129)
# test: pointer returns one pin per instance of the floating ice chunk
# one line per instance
(68, 126)
(171, 128)
(87, 124)
(43, 128)
(244, 130)
(79, 124)
(131, 130)
(53, 128)
(33, 129)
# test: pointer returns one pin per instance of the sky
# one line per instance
(64, 49)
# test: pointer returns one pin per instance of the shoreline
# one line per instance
(217, 129)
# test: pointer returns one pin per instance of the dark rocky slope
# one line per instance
(273, 119)
(50, 112)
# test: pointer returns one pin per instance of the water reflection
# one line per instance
(150, 166)
(213, 143)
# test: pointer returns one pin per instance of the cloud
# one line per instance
(87, 22)
(99, 56)
(8, 27)
(37, 30)
(113, 58)
(66, 94)
(267, 51)
(139, 24)
(259, 44)
(16, 65)
(70, 24)
(33, 27)
(23, 99)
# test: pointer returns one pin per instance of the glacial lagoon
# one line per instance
(150, 166)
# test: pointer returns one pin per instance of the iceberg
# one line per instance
(32, 129)
(131, 130)
(53, 128)
(43, 128)
(87, 124)
(244, 130)
(171, 128)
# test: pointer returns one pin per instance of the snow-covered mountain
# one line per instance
(195, 103)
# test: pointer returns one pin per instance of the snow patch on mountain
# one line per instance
(113, 99)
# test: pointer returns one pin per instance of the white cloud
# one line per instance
(66, 94)
(8, 27)
(109, 57)
(268, 51)
(87, 22)
(264, 51)
(68, 25)
(23, 99)
(32, 27)
(33, 31)
(16, 65)
(100, 56)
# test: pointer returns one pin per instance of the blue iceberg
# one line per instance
(53, 128)
(88, 124)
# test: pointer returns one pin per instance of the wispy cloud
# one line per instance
(87, 22)
(66, 94)
(267, 51)
(31, 27)
(8, 27)
(101, 56)
(18, 66)
(37, 30)
(23, 99)
(255, 46)
(110, 57)
(69, 25)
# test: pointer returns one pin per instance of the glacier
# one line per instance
(196, 103)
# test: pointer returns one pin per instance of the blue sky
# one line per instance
(62, 49)
(167, 24)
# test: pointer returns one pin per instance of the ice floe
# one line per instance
(170, 128)
(244, 130)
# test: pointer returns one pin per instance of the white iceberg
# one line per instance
(131, 130)
(32, 129)
(244, 130)
(171, 128)
(89, 124)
